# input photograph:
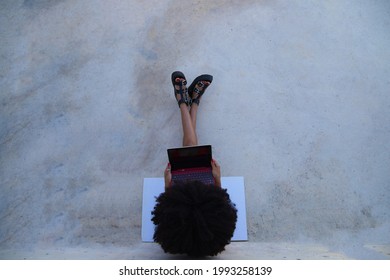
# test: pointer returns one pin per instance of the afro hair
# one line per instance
(194, 219)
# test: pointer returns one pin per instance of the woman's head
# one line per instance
(195, 219)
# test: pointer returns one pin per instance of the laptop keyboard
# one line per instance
(194, 174)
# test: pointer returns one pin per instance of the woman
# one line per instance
(191, 217)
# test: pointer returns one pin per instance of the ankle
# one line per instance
(194, 108)
(183, 106)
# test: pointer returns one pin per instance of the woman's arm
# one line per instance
(216, 172)
(167, 176)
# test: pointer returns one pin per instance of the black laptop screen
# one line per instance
(190, 157)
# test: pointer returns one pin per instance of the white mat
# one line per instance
(154, 186)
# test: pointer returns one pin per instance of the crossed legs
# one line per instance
(188, 120)
(188, 112)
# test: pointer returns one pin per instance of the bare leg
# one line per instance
(190, 138)
(193, 114)
(189, 134)
(194, 109)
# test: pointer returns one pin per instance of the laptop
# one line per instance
(191, 164)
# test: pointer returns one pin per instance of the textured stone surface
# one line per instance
(299, 106)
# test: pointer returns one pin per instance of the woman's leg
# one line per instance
(190, 138)
(193, 114)
(188, 119)
(189, 134)
(194, 107)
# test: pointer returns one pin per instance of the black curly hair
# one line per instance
(194, 219)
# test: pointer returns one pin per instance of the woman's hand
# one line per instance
(216, 169)
(167, 176)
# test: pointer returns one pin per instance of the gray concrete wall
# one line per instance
(299, 106)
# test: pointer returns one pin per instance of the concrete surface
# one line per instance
(299, 106)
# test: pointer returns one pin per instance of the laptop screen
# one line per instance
(190, 157)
